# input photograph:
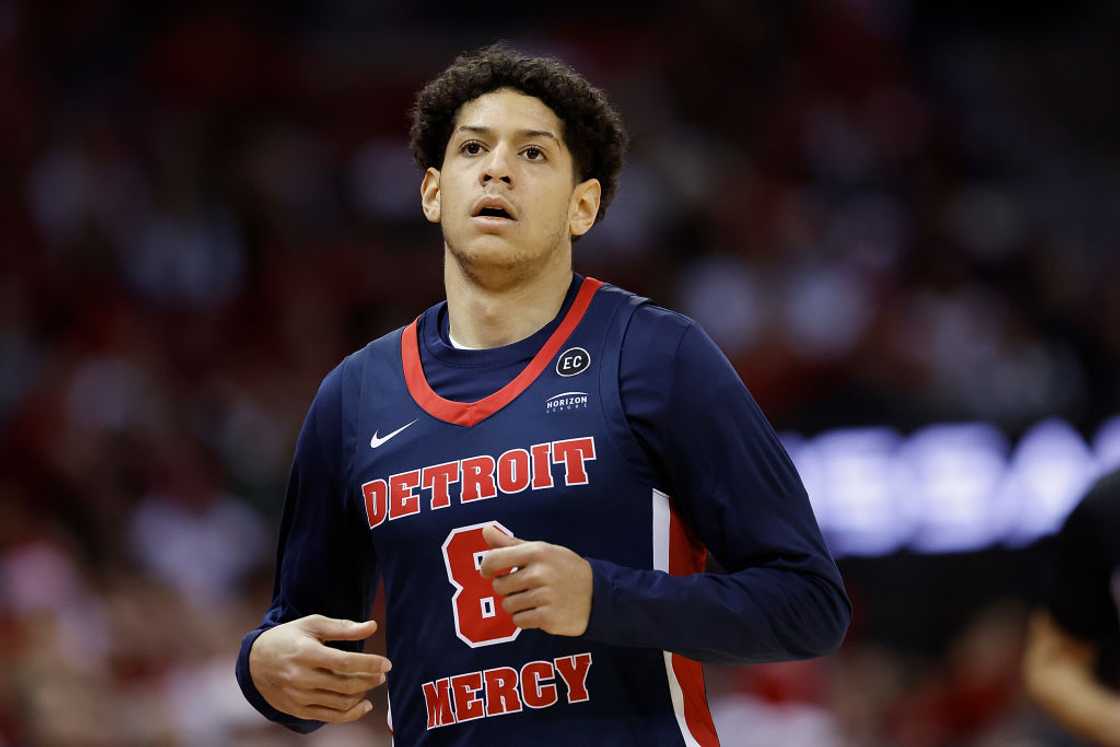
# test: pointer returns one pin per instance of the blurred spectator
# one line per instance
(190, 535)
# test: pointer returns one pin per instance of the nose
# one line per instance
(496, 167)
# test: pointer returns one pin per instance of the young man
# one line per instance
(1072, 662)
(535, 468)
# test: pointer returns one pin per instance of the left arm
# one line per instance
(736, 489)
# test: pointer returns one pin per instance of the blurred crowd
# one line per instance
(885, 212)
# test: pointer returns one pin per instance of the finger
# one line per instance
(347, 662)
(331, 716)
(498, 562)
(497, 538)
(524, 601)
(333, 629)
(514, 583)
(534, 618)
(324, 699)
(344, 684)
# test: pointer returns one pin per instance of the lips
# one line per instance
(493, 207)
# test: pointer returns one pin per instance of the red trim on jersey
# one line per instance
(687, 556)
(473, 413)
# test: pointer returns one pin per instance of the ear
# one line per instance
(429, 195)
(584, 206)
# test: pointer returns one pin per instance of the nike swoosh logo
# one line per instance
(375, 441)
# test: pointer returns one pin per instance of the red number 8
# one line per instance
(479, 618)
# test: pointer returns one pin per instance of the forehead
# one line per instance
(507, 109)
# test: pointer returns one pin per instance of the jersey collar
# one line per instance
(472, 413)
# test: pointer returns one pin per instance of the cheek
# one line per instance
(550, 221)
(565, 211)
(454, 189)
(554, 206)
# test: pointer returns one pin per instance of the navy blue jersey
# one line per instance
(555, 453)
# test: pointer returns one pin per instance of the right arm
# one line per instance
(325, 577)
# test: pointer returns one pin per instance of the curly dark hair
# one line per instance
(593, 130)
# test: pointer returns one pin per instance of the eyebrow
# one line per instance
(522, 134)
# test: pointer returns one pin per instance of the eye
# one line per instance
(471, 148)
(533, 153)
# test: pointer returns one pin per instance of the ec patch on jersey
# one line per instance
(573, 361)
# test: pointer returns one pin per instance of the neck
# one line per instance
(491, 309)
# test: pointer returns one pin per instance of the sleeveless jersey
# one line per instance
(547, 457)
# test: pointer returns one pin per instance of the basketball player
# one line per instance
(537, 468)
(1072, 662)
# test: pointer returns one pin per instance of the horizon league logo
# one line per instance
(566, 401)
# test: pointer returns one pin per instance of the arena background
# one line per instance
(897, 218)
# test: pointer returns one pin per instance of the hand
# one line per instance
(299, 675)
(549, 589)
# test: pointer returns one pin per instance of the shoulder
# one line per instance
(667, 336)
(345, 380)
(369, 360)
(663, 339)
(656, 329)
(388, 344)
(662, 321)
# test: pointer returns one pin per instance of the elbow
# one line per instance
(832, 637)
(831, 612)
(808, 619)
(831, 643)
(842, 619)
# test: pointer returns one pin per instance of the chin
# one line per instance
(488, 249)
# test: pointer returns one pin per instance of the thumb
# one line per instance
(496, 538)
(333, 629)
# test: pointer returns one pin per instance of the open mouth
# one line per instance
(494, 212)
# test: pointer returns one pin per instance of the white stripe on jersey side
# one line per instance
(389, 714)
(660, 531)
(661, 518)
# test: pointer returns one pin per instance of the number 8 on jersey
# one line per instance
(479, 618)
